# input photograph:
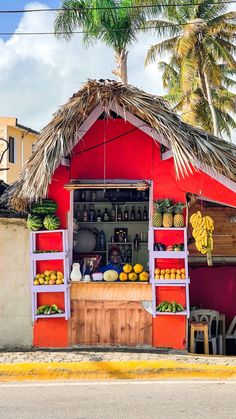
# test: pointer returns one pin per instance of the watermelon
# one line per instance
(34, 222)
(51, 222)
(47, 206)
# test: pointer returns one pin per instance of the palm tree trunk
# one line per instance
(121, 60)
(212, 109)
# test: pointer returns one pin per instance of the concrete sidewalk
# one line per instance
(107, 364)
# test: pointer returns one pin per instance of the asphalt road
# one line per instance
(118, 400)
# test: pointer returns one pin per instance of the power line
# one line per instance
(112, 30)
(147, 6)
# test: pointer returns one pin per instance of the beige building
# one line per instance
(20, 140)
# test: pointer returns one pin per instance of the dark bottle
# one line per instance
(132, 214)
(99, 216)
(119, 215)
(91, 215)
(83, 196)
(123, 253)
(106, 215)
(113, 214)
(145, 214)
(79, 214)
(102, 241)
(139, 215)
(129, 255)
(85, 214)
(126, 214)
(136, 242)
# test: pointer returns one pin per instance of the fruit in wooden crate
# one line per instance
(47, 206)
(138, 268)
(127, 268)
(34, 222)
(123, 276)
(158, 206)
(168, 214)
(143, 276)
(51, 222)
(178, 217)
(132, 276)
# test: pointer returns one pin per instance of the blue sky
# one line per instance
(9, 22)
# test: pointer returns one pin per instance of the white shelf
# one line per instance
(46, 231)
(168, 228)
(50, 288)
(169, 313)
(170, 282)
(49, 256)
(169, 255)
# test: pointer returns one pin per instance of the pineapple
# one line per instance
(157, 214)
(178, 217)
(168, 213)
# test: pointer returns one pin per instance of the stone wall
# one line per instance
(15, 296)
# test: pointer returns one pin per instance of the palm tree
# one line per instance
(202, 42)
(193, 106)
(115, 24)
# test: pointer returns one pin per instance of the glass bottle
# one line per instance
(129, 255)
(136, 242)
(126, 214)
(93, 195)
(106, 215)
(145, 214)
(123, 253)
(99, 216)
(132, 214)
(113, 213)
(85, 214)
(91, 215)
(102, 241)
(79, 214)
(83, 196)
(119, 215)
(139, 215)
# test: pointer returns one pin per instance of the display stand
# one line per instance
(50, 256)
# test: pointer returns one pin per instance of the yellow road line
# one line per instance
(114, 370)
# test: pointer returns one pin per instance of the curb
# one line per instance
(159, 370)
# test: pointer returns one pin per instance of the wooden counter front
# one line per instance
(110, 314)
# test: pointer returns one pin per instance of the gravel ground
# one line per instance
(36, 356)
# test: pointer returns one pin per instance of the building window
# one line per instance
(12, 156)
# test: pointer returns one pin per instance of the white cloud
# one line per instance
(39, 73)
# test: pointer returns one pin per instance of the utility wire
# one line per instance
(112, 30)
(147, 6)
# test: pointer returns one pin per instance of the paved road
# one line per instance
(118, 400)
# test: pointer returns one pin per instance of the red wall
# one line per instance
(132, 156)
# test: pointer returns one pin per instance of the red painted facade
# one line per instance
(131, 156)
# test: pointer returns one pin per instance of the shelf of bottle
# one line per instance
(111, 203)
(169, 313)
(158, 254)
(112, 222)
(49, 256)
(167, 228)
(170, 282)
(50, 288)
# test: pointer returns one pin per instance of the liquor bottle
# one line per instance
(126, 214)
(136, 242)
(102, 241)
(91, 215)
(106, 215)
(85, 214)
(79, 214)
(99, 216)
(129, 255)
(132, 214)
(139, 215)
(123, 253)
(119, 215)
(83, 196)
(145, 214)
(93, 195)
(113, 214)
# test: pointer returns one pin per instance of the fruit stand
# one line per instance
(117, 148)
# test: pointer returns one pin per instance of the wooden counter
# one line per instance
(110, 314)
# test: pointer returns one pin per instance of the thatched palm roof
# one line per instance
(59, 136)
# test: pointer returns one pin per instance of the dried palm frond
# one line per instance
(190, 145)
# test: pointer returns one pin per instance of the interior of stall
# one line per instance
(213, 288)
(110, 231)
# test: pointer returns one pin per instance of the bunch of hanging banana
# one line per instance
(203, 227)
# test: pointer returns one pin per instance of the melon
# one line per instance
(34, 222)
(51, 222)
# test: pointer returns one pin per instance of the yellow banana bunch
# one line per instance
(203, 226)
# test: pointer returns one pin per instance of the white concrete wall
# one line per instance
(15, 296)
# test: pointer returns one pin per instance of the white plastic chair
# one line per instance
(231, 332)
(212, 318)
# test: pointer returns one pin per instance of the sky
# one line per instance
(40, 73)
